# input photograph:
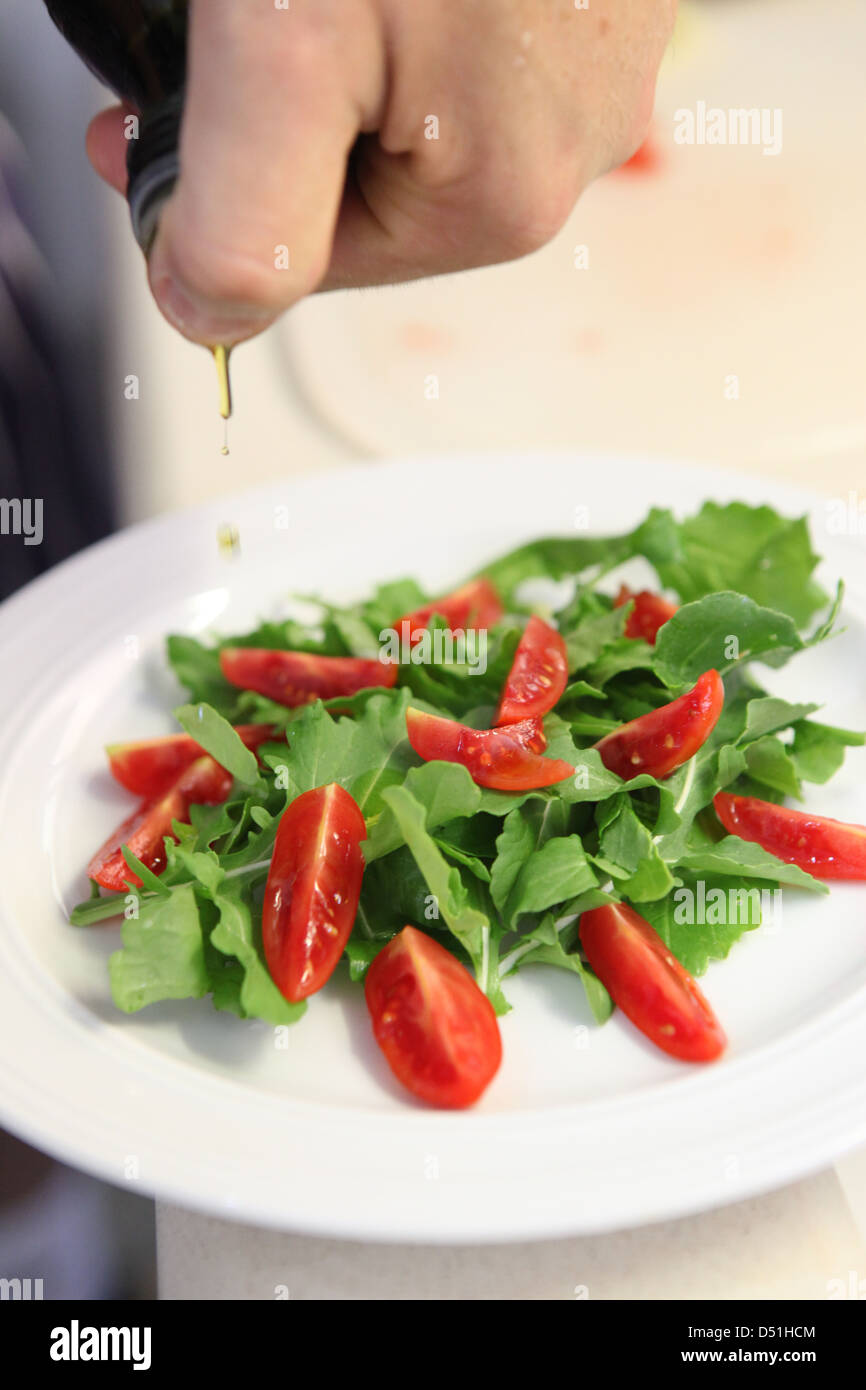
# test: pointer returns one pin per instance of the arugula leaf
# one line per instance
(718, 632)
(524, 830)
(149, 880)
(703, 917)
(238, 934)
(769, 761)
(586, 642)
(544, 945)
(391, 601)
(198, 668)
(103, 908)
(741, 857)
(557, 871)
(752, 550)
(469, 925)
(818, 750)
(163, 953)
(770, 715)
(217, 737)
(445, 790)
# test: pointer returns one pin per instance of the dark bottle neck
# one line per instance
(138, 48)
(153, 165)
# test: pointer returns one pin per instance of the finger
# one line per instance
(275, 99)
(106, 146)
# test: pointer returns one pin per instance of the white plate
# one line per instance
(584, 1129)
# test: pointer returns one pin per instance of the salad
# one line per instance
(540, 767)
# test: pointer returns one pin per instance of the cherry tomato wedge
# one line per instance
(823, 847)
(650, 612)
(476, 605)
(298, 678)
(313, 889)
(538, 675)
(437, 1030)
(649, 984)
(150, 766)
(508, 759)
(659, 742)
(203, 783)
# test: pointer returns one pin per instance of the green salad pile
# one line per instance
(501, 878)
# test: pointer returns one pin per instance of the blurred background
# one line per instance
(704, 303)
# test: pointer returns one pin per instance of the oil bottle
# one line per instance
(138, 49)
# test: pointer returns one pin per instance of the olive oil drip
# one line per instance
(221, 358)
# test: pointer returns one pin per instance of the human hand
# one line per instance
(379, 141)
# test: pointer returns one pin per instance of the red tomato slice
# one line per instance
(650, 612)
(649, 984)
(538, 676)
(150, 767)
(476, 605)
(659, 742)
(313, 889)
(437, 1030)
(203, 783)
(298, 678)
(824, 847)
(507, 759)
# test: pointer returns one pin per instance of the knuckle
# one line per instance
(526, 209)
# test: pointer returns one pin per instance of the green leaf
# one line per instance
(149, 880)
(198, 668)
(768, 761)
(102, 909)
(525, 830)
(238, 934)
(557, 557)
(770, 715)
(743, 858)
(445, 790)
(704, 916)
(544, 946)
(470, 926)
(818, 750)
(163, 953)
(625, 654)
(217, 737)
(586, 642)
(752, 550)
(718, 632)
(628, 854)
(380, 753)
(391, 601)
(556, 872)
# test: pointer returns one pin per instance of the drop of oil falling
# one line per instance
(228, 540)
(221, 359)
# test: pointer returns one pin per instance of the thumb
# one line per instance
(267, 129)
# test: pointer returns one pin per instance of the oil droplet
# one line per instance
(221, 358)
(228, 539)
(225, 447)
